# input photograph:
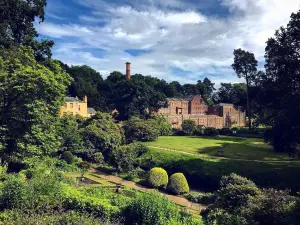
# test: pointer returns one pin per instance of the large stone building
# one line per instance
(75, 106)
(194, 108)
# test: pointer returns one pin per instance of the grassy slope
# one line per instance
(234, 147)
(206, 174)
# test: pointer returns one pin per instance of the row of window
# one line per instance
(72, 105)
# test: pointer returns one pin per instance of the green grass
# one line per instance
(233, 147)
(205, 173)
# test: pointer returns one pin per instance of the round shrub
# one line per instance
(158, 178)
(68, 157)
(98, 158)
(210, 131)
(178, 184)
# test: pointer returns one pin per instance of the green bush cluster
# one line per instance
(240, 201)
(188, 126)
(141, 130)
(210, 131)
(205, 198)
(158, 178)
(68, 157)
(178, 184)
(150, 209)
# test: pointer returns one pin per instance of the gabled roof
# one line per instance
(72, 99)
(225, 104)
(176, 99)
(197, 98)
(91, 111)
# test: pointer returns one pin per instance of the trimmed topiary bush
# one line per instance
(68, 157)
(158, 178)
(178, 184)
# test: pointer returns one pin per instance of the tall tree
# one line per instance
(245, 65)
(282, 84)
(17, 25)
(30, 98)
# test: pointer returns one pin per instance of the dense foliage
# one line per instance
(188, 126)
(30, 98)
(158, 178)
(141, 130)
(240, 201)
(178, 184)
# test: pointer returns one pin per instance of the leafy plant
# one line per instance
(158, 178)
(178, 184)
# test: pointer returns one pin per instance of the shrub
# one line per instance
(188, 126)
(210, 131)
(165, 129)
(225, 131)
(140, 130)
(125, 158)
(150, 209)
(178, 184)
(158, 178)
(68, 157)
(199, 131)
(13, 193)
(98, 158)
(201, 198)
(84, 165)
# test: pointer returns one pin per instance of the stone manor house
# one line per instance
(194, 108)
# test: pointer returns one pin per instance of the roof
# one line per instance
(195, 98)
(91, 111)
(176, 99)
(225, 104)
(72, 99)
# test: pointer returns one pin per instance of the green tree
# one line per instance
(101, 134)
(30, 99)
(17, 25)
(71, 139)
(280, 85)
(245, 65)
(189, 126)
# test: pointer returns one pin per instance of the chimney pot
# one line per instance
(85, 99)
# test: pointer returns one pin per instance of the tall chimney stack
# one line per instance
(128, 70)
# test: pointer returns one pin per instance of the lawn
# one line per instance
(233, 147)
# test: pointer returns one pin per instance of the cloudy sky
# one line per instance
(183, 40)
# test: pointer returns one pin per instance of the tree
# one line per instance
(87, 81)
(30, 99)
(188, 126)
(101, 134)
(245, 66)
(281, 86)
(17, 26)
(71, 139)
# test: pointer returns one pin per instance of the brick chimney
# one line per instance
(128, 70)
(85, 99)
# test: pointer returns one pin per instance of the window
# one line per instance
(78, 107)
(65, 113)
(71, 105)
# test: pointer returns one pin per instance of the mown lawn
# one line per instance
(233, 147)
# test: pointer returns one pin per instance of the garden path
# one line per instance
(175, 199)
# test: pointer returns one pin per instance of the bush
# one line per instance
(140, 130)
(188, 126)
(199, 131)
(125, 158)
(165, 129)
(158, 178)
(84, 165)
(178, 184)
(13, 193)
(98, 158)
(210, 131)
(68, 157)
(201, 198)
(225, 131)
(150, 209)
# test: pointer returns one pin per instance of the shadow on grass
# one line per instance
(205, 175)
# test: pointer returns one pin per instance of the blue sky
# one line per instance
(183, 40)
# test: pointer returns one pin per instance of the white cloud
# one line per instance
(186, 39)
